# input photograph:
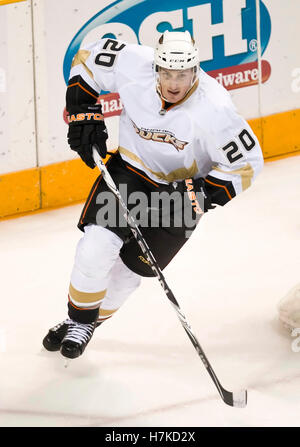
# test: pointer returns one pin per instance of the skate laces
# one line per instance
(79, 332)
(59, 325)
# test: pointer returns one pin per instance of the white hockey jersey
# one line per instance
(200, 136)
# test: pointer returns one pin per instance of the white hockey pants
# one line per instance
(100, 281)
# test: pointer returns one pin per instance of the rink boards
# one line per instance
(37, 168)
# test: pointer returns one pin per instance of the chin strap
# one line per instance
(158, 89)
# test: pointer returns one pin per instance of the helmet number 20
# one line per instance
(232, 150)
(108, 58)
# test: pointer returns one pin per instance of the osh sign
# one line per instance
(224, 31)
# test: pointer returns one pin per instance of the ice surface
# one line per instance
(140, 369)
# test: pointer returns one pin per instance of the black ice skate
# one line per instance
(76, 339)
(52, 341)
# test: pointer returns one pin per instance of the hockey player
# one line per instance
(179, 132)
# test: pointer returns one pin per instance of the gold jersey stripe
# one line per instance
(86, 297)
(179, 173)
(246, 174)
(80, 58)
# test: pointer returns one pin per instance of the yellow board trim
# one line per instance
(6, 2)
(66, 182)
(278, 134)
(19, 192)
(69, 182)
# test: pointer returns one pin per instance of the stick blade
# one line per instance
(240, 399)
(237, 399)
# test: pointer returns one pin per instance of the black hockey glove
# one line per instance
(87, 128)
(199, 197)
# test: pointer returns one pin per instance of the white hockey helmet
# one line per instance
(176, 51)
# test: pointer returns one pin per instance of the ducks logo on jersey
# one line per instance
(161, 136)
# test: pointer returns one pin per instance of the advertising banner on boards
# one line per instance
(225, 31)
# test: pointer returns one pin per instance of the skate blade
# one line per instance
(67, 362)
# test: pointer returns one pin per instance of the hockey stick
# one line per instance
(236, 399)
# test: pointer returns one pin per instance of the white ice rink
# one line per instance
(140, 369)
